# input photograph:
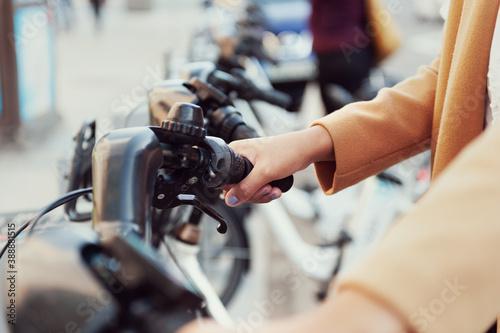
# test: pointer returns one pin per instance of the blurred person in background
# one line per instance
(97, 10)
(437, 269)
(336, 26)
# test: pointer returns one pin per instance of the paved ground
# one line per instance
(102, 72)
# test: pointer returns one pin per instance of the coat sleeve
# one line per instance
(438, 267)
(369, 137)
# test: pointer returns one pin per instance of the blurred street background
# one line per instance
(103, 70)
(99, 71)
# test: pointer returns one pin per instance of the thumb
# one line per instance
(245, 189)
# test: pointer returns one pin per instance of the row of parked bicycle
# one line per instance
(146, 243)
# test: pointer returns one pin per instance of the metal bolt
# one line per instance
(192, 180)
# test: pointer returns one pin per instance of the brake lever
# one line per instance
(190, 199)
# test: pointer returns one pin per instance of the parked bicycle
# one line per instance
(224, 258)
(364, 211)
(113, 278)
(275, 33)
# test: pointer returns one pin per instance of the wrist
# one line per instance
(320, 144)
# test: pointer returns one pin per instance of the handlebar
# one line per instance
(274, 97)
(133, 170)
(231, 127)
(235, 81)
(283, 184)
(222, 119)
(126, 164)
(238, 81)
(202, 162)
(119, 275)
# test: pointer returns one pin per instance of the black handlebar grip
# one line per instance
(275, 97)
(243, 131)
(242, 167)
(283, 184)
(239, 169)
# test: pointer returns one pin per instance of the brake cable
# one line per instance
(34, 220)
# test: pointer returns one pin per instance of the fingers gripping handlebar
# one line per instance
(222, 119)
(283, 184)
(197, 163)
(190, 163)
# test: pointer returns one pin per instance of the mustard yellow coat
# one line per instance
(439, 267)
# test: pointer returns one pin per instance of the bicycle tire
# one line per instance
(226, 281)
(235, 242)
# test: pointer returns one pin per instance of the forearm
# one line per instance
(369, 137)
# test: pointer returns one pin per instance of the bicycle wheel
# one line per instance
(224, 258)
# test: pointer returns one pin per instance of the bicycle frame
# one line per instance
(278, 214)
(185, 257)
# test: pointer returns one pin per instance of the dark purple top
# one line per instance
(334, 22)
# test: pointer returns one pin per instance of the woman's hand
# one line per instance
(275, 158)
